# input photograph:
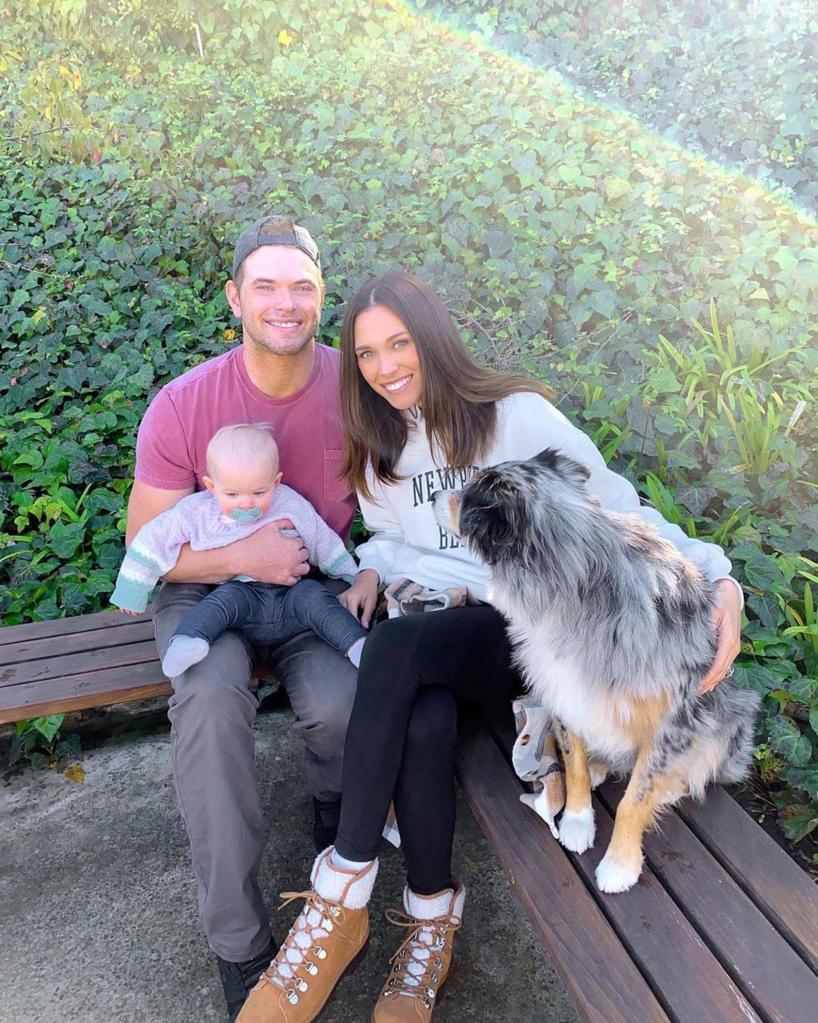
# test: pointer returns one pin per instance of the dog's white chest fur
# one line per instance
(558, 683)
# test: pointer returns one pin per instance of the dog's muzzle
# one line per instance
(446, 506)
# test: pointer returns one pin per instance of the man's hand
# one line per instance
(268, 556)
(727, 622)
(362, 596)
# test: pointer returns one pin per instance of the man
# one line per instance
(278, 376)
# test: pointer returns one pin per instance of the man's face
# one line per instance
(279, 300)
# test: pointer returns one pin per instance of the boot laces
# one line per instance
(419, 961)
(301, 954)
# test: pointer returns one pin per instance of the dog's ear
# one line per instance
(554, 460)
(487, 531)
(486, 513)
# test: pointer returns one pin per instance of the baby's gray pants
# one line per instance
(212, 712)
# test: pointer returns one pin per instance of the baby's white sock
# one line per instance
(183, 652)
(355, 651)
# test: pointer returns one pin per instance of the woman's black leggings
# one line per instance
(402, 732)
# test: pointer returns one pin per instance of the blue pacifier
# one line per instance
(245, 514)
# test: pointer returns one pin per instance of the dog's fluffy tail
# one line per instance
(743, 707)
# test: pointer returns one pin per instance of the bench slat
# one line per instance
(77, 664)
(83, 691)
(597, 971)
(691, 983)
(772, 879)
(769, 972)
(132, 631)
(68, 626)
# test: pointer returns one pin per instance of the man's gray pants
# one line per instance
(212, 712)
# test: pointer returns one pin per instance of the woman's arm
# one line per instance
(382, 522)
(377, 554)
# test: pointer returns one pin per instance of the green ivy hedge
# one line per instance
(670, 303)
(737, 79)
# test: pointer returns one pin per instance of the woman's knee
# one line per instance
(433, 721)
(391, 646)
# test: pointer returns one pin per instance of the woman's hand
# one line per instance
(727, 621)
(362, 596)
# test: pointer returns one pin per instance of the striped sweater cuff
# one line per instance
(131, 595)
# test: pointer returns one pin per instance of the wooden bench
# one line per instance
(77, 663)
(722, 927)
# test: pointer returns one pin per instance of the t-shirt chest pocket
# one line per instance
(336, 487)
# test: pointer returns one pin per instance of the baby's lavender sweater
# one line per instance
(197, 520)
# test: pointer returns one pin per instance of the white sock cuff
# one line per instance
(355, 652)
(427, 907)
(349, 887)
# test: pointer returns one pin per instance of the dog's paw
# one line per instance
(577, 830)
(614, 876)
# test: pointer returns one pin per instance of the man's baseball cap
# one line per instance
(256, 236)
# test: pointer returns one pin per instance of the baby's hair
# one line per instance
(242, 443)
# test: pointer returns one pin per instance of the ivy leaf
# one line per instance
(798, 821)
(66, 538)
(48, 726)
(787, 740)
(805, 778)
(584, 273)
(499, 243)
(757, 677)
(786, 259)
(767, 608)
(31, 458)
(805, 690)
(603, 301)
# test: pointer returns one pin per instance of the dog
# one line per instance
(613, 631)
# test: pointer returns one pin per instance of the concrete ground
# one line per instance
(97, 900)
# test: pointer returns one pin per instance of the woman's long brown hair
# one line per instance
(459, 395)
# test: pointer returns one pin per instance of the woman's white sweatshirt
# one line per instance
(408, 542)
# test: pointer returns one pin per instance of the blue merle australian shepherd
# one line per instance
(613, 630)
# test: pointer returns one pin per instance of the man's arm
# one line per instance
(265, 555)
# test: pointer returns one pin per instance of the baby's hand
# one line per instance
(362, 596)
(127, 611)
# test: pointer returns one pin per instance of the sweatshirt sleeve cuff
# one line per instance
(735, 583)
(373, 564)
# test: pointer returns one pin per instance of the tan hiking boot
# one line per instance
(328, 939)
(421, 964)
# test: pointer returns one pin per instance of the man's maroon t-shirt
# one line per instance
(184, 415)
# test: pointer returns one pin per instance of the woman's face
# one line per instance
(387, 357)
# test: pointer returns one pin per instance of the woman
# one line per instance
(420, 414)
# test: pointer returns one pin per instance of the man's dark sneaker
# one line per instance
(239, 979)
(325, 825)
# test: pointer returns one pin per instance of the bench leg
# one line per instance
(577, 828)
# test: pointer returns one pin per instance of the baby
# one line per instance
(244, 492)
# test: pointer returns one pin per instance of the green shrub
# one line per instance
(734, 79)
